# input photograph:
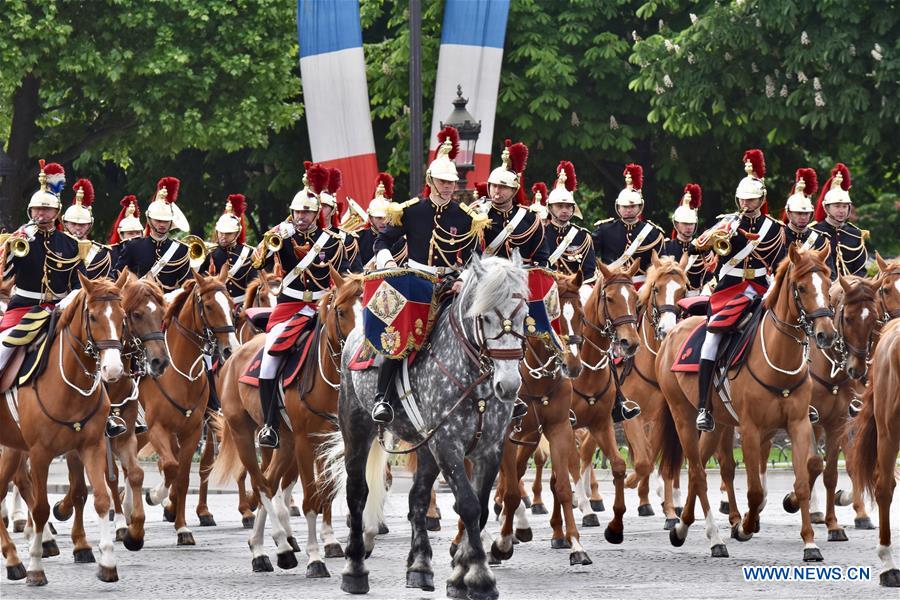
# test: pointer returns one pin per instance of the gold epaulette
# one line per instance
(395, 211)
(602, 221)
(480, 220)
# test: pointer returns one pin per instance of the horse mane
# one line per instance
(101, 287)
(352, 288)
(808, 260)
(145, 288)
(179, 301)
(593, 304)
(499, 281)
(858, 292)
(666, 265)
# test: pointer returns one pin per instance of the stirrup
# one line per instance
(572, 418)
(383, 413)
(813, 414)
(115, 426)
(705, 422)
(625, 411)
(520, 409)
(267, 437)
(856, 406)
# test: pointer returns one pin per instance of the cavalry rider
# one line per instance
(440, 236)
(46, 275)
(309, 249)
(756, 247)
(570, 247)
(684, 224)
(127, 226)
(798, 213)
(617, 242)
(848, 248)
(231, 252)
(158, 254)
(331, 216)
(538, 204)
(78, 221)
(377, 221)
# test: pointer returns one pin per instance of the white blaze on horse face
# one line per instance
(111, 367)
(625, 294)
(819, 284)
(864, 314)
(226, 310)
(568, 312)
(151, 306)
(667, 321)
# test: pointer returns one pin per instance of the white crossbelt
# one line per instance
(92, 253)
(492, 248)
(303, 295)
(241, 259)
(164, 259)
(811, 240)
(561, 249)
(305, 261)
(632, 248)
(731, 266)
(414, 264)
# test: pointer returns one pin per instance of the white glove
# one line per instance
(286, 230)
(584, 292)
(170, 296)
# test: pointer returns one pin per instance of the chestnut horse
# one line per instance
(198, 324)
(876, 441)
(56, 415)
(770, 391)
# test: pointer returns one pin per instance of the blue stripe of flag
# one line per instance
(475, 22)
(328, 26)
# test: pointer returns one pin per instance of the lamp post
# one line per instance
(468, 129)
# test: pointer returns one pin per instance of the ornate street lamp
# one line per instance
(469, 129)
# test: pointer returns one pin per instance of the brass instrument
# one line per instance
(717, 238)
(198, 250)
(17, 244)
(271, 242)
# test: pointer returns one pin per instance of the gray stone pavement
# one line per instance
(640, 568)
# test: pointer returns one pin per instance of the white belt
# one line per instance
(429, 269)
(35, 295)
(743, 273)
(303, 295)
(238, 299)
(691, 293)
(639, 279)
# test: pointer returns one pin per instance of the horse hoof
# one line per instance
(489, 594)
(262, 564)
(292, 541)
(84, 556)
(357, 584)
(837, 535)
(526, 501)
(863, 523)
(248, 522)
(50, 549)
(148, 499)
(453, 548)
(287, 560)
(383, 529)
(597, 505)
(295, 511)
(645, 510)
(817, 518)
(207, 521)
(36, 578)
(121, 533)
(724, 507)
(457, 592)
(497, 508)
(524, 535)
(560, 544)
(19, 525)
(186, 538)
(334, 550)
(52, 528)
(678, 510)
(579, 558)
(673, 537)
(420, 580)
(168, 515)
(669, 524)
(107, 574)
(132, 543)
(17, 572)
(789, 503)
(432, 524)
(493, 561)
(538, 509)
(812, 555)
(843, 498)
(890, 578)
(317, 570)
(590, 520)
(612, 536)
(739, 534)
(499, 554)
(719, 551)
(58, 514)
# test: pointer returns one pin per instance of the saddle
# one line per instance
(696, 306)
(299, 364)
(259, 317)
(732, 351)
(31, 338)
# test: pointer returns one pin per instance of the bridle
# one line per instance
(656, 312)
(885, 314)
(206, 342)
(137, 345)
(609, 329)
(90, 347)
(333, 355)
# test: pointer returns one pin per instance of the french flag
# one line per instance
(471, 55)
(336, 94)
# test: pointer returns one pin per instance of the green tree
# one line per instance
(128, 81)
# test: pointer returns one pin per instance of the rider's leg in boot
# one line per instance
(268, 434)
(213, 405)
(705, 420)
(624, 409)
(383, 412)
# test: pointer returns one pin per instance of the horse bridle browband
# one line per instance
(93, 347)
(609, 330)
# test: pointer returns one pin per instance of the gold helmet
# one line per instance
(512, 169)
(52, 179)
(443, 167)
(836, 190)
(688, 205)
(315, 181)
(384, 193)
(127, 221)
(632, 195)
(163, 207)
(806, 184)
(232, 220)
(539, 199)
(565, 186)
(753, 185)
(80, 210)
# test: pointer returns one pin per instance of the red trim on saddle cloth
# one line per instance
(688, 358)
(285, 310)
(13, 316)
(292, 365)
(721, 297)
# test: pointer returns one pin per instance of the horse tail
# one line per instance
(227, 466)
(862, 436)
(668, 446)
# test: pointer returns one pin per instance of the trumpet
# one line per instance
(717, 238)
(17, 244)
(198, 250)
(271, 242)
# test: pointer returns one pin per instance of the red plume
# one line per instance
(172, 185)
(541, 187)
(318, 178)
(453, 135)
(334, 180)
(388, 182)
(426, 191)
(569, 168)
(52, 168)
(696, 195)
(85, 184)
(841, 168)
(518, 157)
(784, 217)
(239, 207)
(764, 209)
(810, 180)
(124, 203)
(845, 173)
(637, 175)
(758, 160)
(481, 189)
(337, 212)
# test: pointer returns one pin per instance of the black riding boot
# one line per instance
(213, 405)
(383, 411)
(705, 420)
(268, 434)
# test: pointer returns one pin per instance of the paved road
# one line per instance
(644, 566)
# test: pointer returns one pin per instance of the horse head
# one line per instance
(856, 317)
(888, 289)
(611, 308)
(214, 309)
(799, 296)
(572, 322)
(100, 326)
(339, 310)
(260, 291)
(144, 307)
(658, 298)
(493, 303)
